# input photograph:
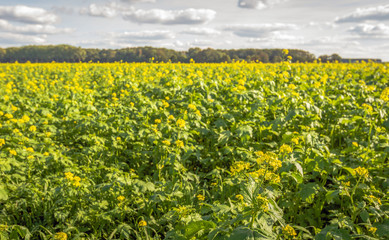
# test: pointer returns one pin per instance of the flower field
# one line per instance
(194, 151)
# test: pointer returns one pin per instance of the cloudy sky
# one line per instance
(351, 28)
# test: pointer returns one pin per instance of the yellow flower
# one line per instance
(2, 142)
(8, 115)
(367, 107)
(171, 117)
(374, 199)
(292, 86)
(180, 123)
(132, 104)
(25, 118)
(239, 197)
(60, 236)
(285, 51)
(289, 231)
(118, 139)
(121, 198)
(30, 149)
(142, 223)
(156, 121)
(372, 229)
(192, 106)
(200, 197)
(32, 128)
(165, 104)
(385, 95)
(12, 152)
(179, 143)
(362, 172)
(286, 149)
(295, 140)
(166, 142)
(355, 144)
(69, 176)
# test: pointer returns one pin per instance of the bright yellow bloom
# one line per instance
(372, 229)
(171, 117)
(156, 121)
(69, 176)
(285, 51)
(286, 149)
(180, 123)
(121, 198)
(142, 223)
(355, 144)
(362, 172)
(13, 152)
(25, 118)
(2, 142)
(367, 107)
(385, 95)
(60, 236)
(239, 197)
(289, 231)
(166, 142)
(8, 115)
(192, 106)
(30, 149)
(179, 143)
(292, 86)
(295, 140)
(200, 197)
(32, 128)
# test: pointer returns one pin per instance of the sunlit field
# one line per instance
(194, 151)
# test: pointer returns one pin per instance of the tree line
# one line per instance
(67, 53)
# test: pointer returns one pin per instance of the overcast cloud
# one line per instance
(351, 28)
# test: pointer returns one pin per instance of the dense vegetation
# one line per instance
(194, 151)
(66, 53)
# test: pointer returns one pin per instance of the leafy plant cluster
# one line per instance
(194, 151)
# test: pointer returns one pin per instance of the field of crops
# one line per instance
(194, 151)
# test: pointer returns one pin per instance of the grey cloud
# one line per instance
(107, 11)
(169, 17)
(149, 35)
(258, 4)
(12, 38)
(371, 31)
(378, 13)
(136, 1)
(259, 30)
(25, 14)
(32, 28)
(202, 31)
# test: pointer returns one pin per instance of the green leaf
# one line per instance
(3, 193)
(245, 234)
(195, 227)
(364, 216)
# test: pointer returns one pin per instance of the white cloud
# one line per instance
(378, 13)
(371, 31)
(147, 35)
(185, 16)
(202, 31)
(277, 36)
(12, 38)
(136, 1)
(32, 28)
(258, 4)
(258, 30)
(107, 11)
(21, 13)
